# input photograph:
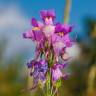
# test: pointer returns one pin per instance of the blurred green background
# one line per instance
(15, 19)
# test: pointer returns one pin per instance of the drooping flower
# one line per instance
(58, 43)
(47, 16)
(57, 72)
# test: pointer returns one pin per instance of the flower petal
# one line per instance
(34, 22)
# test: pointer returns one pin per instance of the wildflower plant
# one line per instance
(51, 40)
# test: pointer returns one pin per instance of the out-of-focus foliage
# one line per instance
(90, 25)
(11, 79)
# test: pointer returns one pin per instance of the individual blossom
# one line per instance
(63, 31)
(38, 70)
(34, 22)
(58, 43)
(57, 72)
(38, 38)
(48, 16)
(61, 39)
(60, 46)
(35, 33)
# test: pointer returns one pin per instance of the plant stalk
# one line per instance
(67, 11)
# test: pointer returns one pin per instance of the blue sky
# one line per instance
(18, 17)
(32, 7)
(79, 9)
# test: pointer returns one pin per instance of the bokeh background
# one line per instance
(15, 16)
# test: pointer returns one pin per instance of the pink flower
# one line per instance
(58, 43)
(47, 16)
(57, 72)
(34, 35)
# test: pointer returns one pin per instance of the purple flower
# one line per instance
(63, 29)
(43, 66)
(28, 34)
(31, 64)
(57, 72)
(52, 41)
(39, 69)
(34, 35)
(36, 23)
(67, 40)
(58, 43)
(47, 16)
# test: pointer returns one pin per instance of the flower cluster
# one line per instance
(51, 41)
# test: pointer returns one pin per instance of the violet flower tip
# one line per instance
(24, 35)
(29, 65)
(34, 22)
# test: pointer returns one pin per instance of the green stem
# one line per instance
(51, 90)
(67, 11)
(55, 92)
